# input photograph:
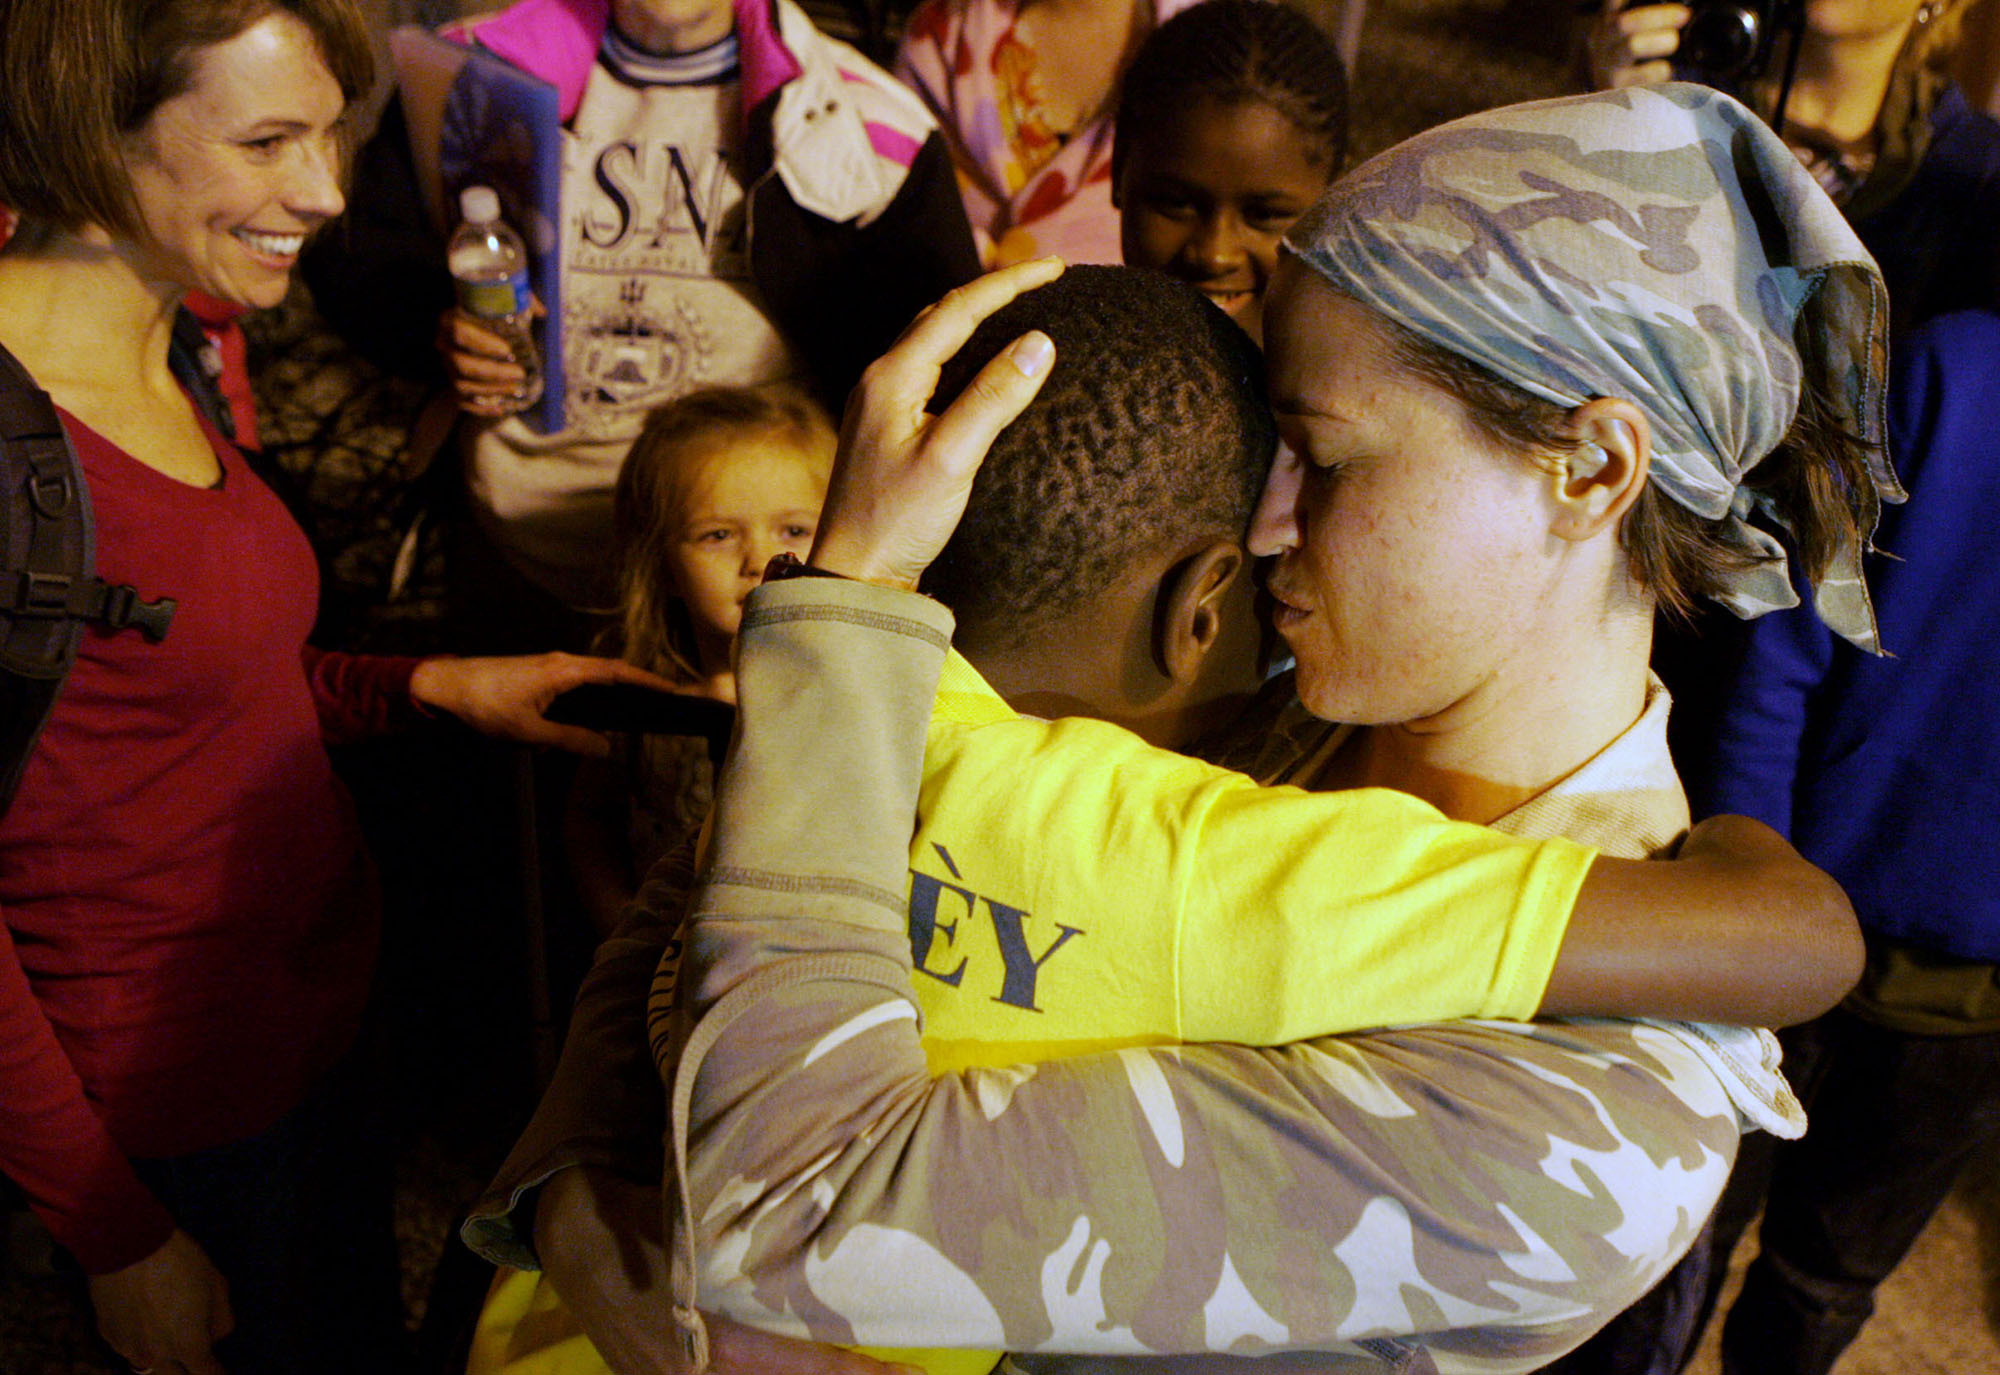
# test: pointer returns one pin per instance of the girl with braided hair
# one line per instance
(1232, 121)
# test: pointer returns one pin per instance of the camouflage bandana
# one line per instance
(1657, 244)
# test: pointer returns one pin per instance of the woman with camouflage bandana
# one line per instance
(1532, 356)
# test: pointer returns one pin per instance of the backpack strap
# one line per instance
(48, 589)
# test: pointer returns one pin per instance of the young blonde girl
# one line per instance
(717, 483)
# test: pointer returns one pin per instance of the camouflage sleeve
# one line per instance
(1493, 1192)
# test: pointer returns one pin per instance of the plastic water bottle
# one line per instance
(490, 266)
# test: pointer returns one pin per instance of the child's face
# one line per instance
(1207, 195)
(744, 504)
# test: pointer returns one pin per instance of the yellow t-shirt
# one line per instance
(1073, 888)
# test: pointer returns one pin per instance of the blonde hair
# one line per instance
(654, 629)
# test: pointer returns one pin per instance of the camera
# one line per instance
(1730, 43)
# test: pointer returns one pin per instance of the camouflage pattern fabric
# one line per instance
(1492, 1193)
(1657, 244)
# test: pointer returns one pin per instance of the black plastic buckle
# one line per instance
(123, 607)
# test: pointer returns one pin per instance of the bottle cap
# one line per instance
(479, 205)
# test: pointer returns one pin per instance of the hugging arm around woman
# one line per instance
(1186, 1200)
(1156, 1201)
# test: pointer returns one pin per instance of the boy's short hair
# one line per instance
(81, 76)
(1151, 431)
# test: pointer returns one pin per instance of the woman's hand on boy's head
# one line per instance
(507, 696)
(903, 475)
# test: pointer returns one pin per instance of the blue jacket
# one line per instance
(1938, 241)
(1886, 772)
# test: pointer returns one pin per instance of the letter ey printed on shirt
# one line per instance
(983, 960)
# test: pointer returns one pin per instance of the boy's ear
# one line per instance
(1190, 619)
(1597, 481)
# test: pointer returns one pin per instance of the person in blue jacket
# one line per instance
(1886, 773)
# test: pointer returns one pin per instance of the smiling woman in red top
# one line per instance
(189, 920)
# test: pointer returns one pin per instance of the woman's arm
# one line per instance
(579, 1195)
(506, 696)
(54, 1145)
(359, 696)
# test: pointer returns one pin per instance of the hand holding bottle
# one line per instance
(481, 364)
(488, 341)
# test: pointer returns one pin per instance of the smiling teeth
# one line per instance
(276, 245)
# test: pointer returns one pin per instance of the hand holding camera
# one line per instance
(1634, 46)
(1723, 43)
